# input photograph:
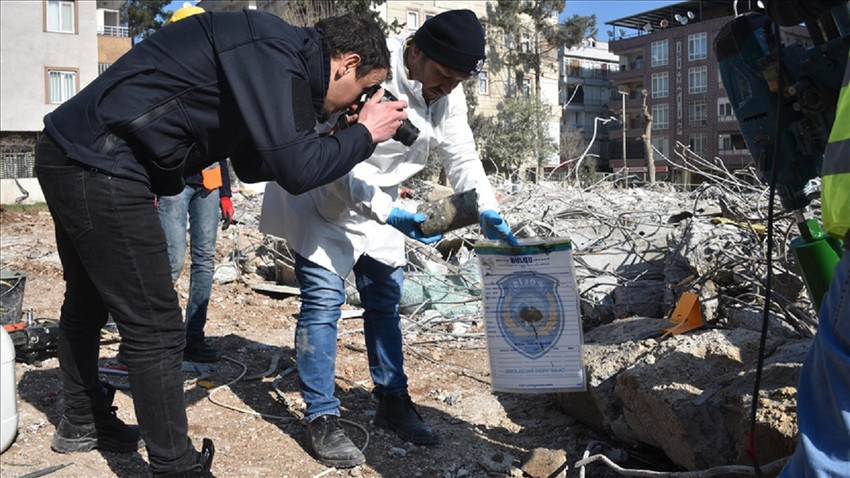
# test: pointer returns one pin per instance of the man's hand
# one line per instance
(226, 211)
(408, 223)
(382, 119)
(496, 228)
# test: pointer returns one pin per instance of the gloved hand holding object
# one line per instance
(226, 212)
(496, 228)
(408, 223)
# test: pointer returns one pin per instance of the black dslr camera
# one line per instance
(406, 134)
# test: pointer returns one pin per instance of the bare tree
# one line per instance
(647, 139)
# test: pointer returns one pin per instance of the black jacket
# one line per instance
(244, 85)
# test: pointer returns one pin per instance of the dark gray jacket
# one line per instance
(243, 85)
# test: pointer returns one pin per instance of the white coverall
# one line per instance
(335, 224)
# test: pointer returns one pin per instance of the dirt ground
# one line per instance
(250, 406)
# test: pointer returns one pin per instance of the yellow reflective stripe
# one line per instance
(841, 127)
(835, 204)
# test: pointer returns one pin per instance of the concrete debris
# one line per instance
(636, 250)
(546, 463)
(498, 462)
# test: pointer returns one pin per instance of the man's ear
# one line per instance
(349, 62)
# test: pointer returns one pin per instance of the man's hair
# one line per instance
(359, 34)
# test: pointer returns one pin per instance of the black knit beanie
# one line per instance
(454, 39)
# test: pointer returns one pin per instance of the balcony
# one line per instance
(110, 31)
(632, 71)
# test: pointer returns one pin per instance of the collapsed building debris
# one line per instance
(637, 251)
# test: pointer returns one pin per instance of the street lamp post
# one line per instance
(624, 93)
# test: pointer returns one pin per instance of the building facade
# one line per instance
(585, 96)
(668, 64)
(50, 49)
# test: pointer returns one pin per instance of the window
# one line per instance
(660, 116)
(724, 110)
(696, 46)
(661, 145)
(697, 114)
(483, 83)
(593, 95)
(61, 85)
(526, 87)
(697, 79)
(660, 85)
(659, 53)
(732, 143)
(524, 43)
(60, 16)
(696, 143)
(412, 21)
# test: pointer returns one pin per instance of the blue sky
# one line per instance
(607, 10)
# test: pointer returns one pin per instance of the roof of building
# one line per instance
(682, 13)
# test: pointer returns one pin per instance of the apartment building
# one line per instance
(49, 49)
(667, 59)
(585, 98)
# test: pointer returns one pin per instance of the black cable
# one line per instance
(769, 278)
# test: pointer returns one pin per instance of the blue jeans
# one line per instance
(114, 262)
(823, 394)
(201, 208)
(322, 295)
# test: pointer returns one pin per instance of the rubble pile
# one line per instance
(636, 252)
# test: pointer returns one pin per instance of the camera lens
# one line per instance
(406, 134)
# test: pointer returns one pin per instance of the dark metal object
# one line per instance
(46, 471)
(450, 213)
(35, 343)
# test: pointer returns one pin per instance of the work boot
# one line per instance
(397, 413)
(105, 432)
(201, 469)
(327, 440)
(197, 349)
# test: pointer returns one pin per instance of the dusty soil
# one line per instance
(255, 424)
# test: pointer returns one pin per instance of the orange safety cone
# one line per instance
(687, 315)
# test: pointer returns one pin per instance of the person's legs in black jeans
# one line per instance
(114, 254)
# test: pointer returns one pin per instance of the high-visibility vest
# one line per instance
(835, 173)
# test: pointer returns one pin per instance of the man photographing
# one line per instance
(243, 85)
(354, 224)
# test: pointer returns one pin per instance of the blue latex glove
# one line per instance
(408, 224)
(495, 227)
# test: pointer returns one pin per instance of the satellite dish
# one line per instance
(691, 15)
(664, 23)
(621, 32)
(610, 34)
(681, 19)
(647, 27)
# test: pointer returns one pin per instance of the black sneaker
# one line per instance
(197, 349)
(107, 432)
(201, 469)
(327, 440)
(398, 414)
